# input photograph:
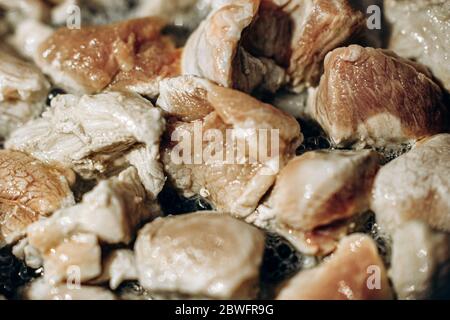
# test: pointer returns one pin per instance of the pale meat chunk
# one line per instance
(129, 56)
(354, 272)
(29, 189)
(314, 191)
(96, 135)
(253, 44)
(78, 256)
(420, 261)
(110, 213)
(372, 97)
(415, 186)
(319, 26)
(41, 290)
(214, 50)
(203, 254)
(230, 154)
(23, 90)
(421, 31)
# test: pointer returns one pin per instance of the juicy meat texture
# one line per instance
(129, 56)
(319, 26)
(420, 30)
(420, 188)
(97, 135)
(214, 51)
(314, 193)
(322, 186)
(42, 290)
(206, 254)
(226, 171)
(425, 254)
(79, 257)
(253, 44)
(372, 97)
(23, 90)
(354, 272)
(29, 190)
(110, 213)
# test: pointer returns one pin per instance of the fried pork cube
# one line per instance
(372, 97)
(110, 213)
(203, 254)
(29, 190)
(420, 261)
(23, 90)
(223, 144)
(319, 26)
(416, 185)
(78, 256)
(252, 44)
(421, 31)
(127, 56)
(354, 272)
(42, 290)
(97, 135)
(314, 191)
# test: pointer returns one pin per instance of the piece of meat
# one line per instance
(354, 272)
(253, 44)
(23, 90)
(225, 158)
(78, 256)
(415, 186)
(315, 190)
(203, 254)
(319, 26)
(128, 56)
(112, 211)
(41, 290)
(29, 189)
(420, 30)
(214, 50)
(97, 135)
(420, 261)
(372, 97)
(118, 266)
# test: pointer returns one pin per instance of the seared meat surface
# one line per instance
(226, 172)
(131, 56)
(29, 189)
(372, 97)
